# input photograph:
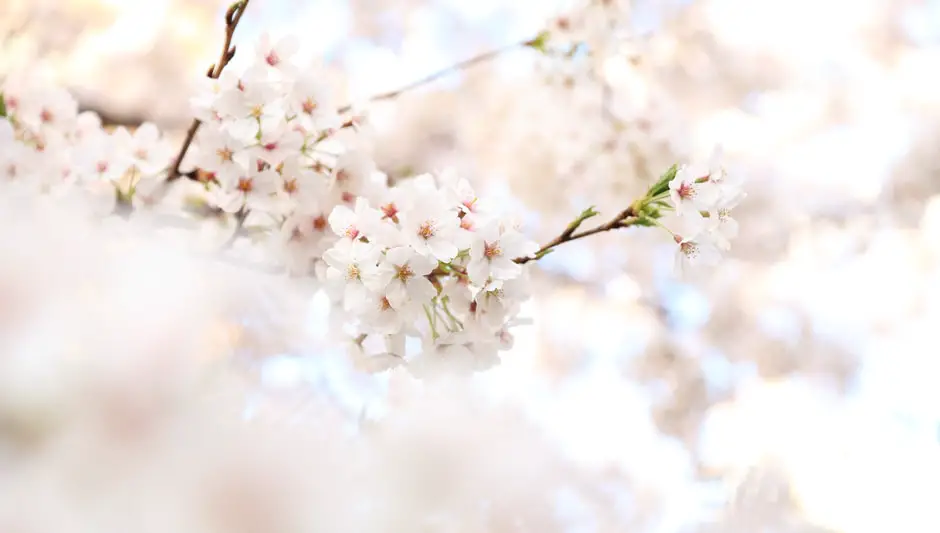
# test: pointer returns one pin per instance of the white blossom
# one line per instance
(351, 262)
(493, 252)
(690, 190)
(401, 277)
(291, 180)
(431, 226)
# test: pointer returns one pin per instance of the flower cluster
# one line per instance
(271, 148)
(424, 260)
(430, 262)
(48, 146)
(415, 260)
(703, 196)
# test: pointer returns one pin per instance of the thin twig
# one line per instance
(232, 17)
(624, 219)
(240, 217)
(456, 67)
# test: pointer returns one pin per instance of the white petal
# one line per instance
(442, 249)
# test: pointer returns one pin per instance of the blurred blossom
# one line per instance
(798, 372)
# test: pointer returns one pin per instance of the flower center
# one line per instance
(319, 223)
(351, 232)
(426, 230)
(225, 154)
(352, 272)
(389, 210)
(309, 106)
(689, 249)
(244, 185)
(492, 250)
(686, 191)
(404, 273)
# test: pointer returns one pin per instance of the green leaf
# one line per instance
(651, 212)
(662, 185)
(540, 41)
(586, 214)
(542, 253)
(3, 106)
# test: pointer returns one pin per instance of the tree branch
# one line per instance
(624, 219)
(232, 17)
(457, 67)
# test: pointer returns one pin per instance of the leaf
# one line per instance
(540, 41)
(542, 253)
(652, 212)
(662, 185)
(3, 106)
(586, 214)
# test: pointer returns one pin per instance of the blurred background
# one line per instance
(809, 354)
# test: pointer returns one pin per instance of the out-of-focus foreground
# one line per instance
(799, 374)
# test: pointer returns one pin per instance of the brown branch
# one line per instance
(457, 67)
(232, 17)
(624, 219)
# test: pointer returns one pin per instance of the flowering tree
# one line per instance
(290, 171)
(278, 176)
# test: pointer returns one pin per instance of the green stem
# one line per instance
(427, 313)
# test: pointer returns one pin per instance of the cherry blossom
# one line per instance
(430, 227)
(277, 54)
(695, 250)
(492, 253)
(690, 190)
(285, 175)
(401, 276)
(221, 154)
(254, 190)
(312, 104)
(277, 141)
(149, 151)
(350, 264)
